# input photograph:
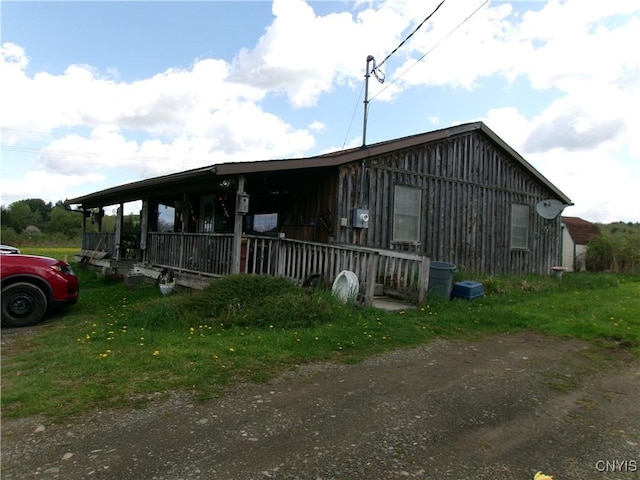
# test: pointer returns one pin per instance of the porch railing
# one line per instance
(209, 253)
(405, 274)
(100, 242)
(402, 273)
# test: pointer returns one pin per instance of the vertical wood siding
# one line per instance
(468, 185)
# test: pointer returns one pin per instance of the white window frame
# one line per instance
(519, 226)
(406, 211)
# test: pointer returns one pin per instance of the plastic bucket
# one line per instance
(346, 286)
(441, 278)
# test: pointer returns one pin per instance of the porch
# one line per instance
(198, 258)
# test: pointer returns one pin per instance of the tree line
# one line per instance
(35, 222)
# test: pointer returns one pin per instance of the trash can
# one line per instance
(441, 278)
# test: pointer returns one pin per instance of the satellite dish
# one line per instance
(550, 209)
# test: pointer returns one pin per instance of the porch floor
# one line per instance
(391, 304)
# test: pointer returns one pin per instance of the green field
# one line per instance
(59, 253)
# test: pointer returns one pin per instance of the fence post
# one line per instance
(280, 257)
(181, 257)
(372, 267)
(423, 285)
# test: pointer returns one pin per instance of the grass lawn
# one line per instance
(118, 347)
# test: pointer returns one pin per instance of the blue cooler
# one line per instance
(467, 289)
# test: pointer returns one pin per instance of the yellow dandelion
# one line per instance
(156, 353)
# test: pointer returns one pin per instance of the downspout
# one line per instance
(562, 227)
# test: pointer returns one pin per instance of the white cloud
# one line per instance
(88, 121)
(601, 181)
(175, 120)
(304, 55)
(44, 185)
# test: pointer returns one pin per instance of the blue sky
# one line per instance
(96, 94)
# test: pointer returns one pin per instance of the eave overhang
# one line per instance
(201, 176)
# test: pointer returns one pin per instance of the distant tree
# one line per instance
(109, 223)
(32, 231)
(32, 211)
(9, 236)
(130, 224)
(5, 216)
(19, 216)
(65, 222)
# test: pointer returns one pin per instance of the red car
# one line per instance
(34, 286)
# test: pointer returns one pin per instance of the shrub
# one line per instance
(616, 253)
(294, 309)
(236, 292)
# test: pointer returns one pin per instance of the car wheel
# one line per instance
(22, 304)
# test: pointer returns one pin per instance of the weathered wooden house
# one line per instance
(459, 195)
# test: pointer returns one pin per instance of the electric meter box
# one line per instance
(360, 218)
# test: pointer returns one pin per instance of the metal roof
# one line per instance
(580, 230)
(140, 189)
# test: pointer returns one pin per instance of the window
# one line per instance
(406, 214)
(166, 218)
(519, 226)
(265, 222)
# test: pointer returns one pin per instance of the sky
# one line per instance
(98, 94)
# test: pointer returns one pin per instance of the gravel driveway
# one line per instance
(502, 407)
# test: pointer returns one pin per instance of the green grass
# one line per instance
(59, 253)
(118, 347)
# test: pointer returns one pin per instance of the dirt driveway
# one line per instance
(502, 407)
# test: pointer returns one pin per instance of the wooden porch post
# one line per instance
(423, 285)
(237, 228)
(144, 227)
(118, 233)
(372, 273)
(84, 221)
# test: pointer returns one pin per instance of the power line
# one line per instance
(355, 110)
(408, 37)
(431, 49)
(380, 75)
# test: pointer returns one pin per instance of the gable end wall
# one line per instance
(468, 185)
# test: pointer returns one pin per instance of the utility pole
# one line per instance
(366, 99)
